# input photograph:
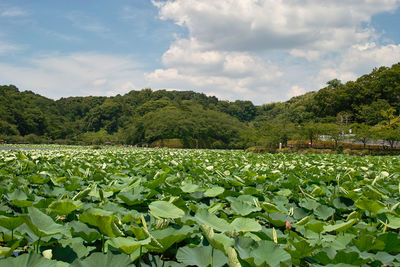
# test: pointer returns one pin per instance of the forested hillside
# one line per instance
(192, 119)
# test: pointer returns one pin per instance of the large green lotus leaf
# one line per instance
(4, 210)
(245, 225)
(139, 232)
(131, 199)
(43, 225)
(315, 226)
(131, 216)
(269, 207)
(17, 194)
(391, 241)
(190, 188)
(82, 230)
(284, 192)
(204, 217)
(269, 253)
(394, 221)
(309, 203)
(165, 209)
(300, 250)
(21, 203)
(103, 220)
(100, 194)
(169, 236)
(82, 194)
(278, 219)
(269, 234)
(367, 242)
(114, 208)
(350, 257)
(65, 206)
(38, 179)
(243, 205)
(338, 204)
(77, 245)
(341, 241)
(201, 256)
(214, 191)
(104, 260)
(11, 223)
(323, 212)
(127, 244)
(385, 258)
(32, 259)
(373, 206)
(339, 227)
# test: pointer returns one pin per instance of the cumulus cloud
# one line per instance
(267, 50)
(265, 24)
(225, 73)
(295, 90)
(359, 59)
(58, 75)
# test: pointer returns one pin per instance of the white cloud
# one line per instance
(368, 56)
(359, 60)
(265, 24)
(267, 50)
(99, 82)
(57, 75)
(10, 12)
(232, 74)
(295, 90)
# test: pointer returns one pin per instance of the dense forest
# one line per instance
(369, 106)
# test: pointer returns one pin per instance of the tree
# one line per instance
(390, 135)
(335, 131)
(363, 133)
(270, 134)
(310, 131)
(335, 83)
(344, 117)
(388, 114)
(372, 114)
(8, 129)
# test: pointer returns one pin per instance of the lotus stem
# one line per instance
(37, 245)
(102, 243)
(140, 256)
(212, 255)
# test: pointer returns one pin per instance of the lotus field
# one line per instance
(164, 207)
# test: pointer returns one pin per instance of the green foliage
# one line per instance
(363, 133)
(129, 206)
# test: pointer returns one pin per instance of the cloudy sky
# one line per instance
(258, 50)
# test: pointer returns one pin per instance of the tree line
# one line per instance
(368, 106)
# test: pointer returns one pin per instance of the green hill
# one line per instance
(146, 116)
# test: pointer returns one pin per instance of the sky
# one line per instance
(259, 50)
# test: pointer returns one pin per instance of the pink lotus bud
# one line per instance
(288, 225)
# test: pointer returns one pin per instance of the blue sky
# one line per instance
(261, 50)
